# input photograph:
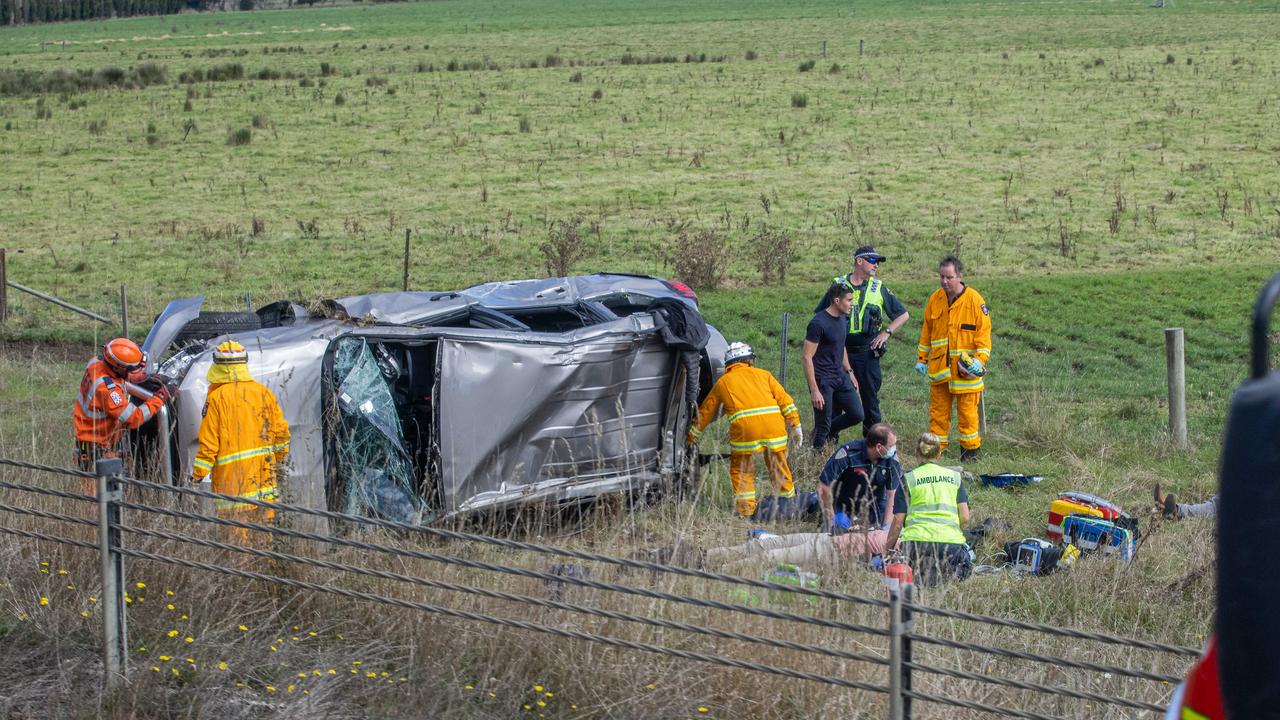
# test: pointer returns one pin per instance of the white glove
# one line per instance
(797, 435)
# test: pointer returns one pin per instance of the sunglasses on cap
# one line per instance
(873, 259)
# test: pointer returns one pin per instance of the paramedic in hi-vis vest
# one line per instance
(928, 515)
(759, 411)
(244, 438)
(954, 349)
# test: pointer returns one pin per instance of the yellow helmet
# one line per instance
(230, 353)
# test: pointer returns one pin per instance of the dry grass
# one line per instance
(304, 654)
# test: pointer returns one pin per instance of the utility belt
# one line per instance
(86, 454)
(855, 346)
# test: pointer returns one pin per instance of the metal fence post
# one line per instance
(904, 683)
(114, 635)
(895, 654)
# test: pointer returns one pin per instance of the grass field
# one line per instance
(1105, 169)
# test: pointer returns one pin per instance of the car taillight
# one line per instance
(683, 289)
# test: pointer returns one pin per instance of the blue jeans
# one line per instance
(842, 409)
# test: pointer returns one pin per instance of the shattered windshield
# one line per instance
(375, 468)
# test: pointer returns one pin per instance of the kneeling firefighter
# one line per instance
(244, 439)
(759, 410)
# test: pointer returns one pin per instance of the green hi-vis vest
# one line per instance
(933, 515)
(871, 296)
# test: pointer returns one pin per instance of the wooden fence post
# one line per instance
(1177, 371)
(407, 232)
(4, 290)
(124, 313)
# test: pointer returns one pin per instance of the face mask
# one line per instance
(890, 453)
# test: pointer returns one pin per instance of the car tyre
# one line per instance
(213, 324)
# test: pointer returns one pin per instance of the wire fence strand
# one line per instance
(525, 572)
(1033, 657)
(31, 534)
(507, 622)
(1037, 687)
(32, 512)
(511, 597)
(80, 497)
(980, 707)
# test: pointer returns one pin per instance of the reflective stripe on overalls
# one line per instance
(266, 494)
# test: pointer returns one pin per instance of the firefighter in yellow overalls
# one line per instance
(955, 346)
(759, 411)
(244, 439)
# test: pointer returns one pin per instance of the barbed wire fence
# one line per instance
(889, 649)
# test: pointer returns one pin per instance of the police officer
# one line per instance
(928, 516)
(876, 315)
(861, 478)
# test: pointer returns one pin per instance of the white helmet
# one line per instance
(738, 352)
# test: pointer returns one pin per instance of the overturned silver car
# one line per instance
(418, 406)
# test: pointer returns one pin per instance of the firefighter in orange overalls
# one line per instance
(102, 412)
(955, 346)
(244, 439)
(759, 411)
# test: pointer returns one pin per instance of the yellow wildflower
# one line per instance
(222, 665)
(44, 601)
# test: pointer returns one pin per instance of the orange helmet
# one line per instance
(123, 356)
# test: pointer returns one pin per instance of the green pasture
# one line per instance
(1105, 169)
(1026, 136)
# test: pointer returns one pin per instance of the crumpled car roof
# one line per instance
(418, 307)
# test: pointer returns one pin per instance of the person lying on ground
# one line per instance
(858, 548)
(1171, 509)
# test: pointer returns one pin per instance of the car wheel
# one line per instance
(213, 324)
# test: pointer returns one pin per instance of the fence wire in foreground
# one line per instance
(900, 634)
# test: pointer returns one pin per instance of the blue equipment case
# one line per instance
(1093, 534)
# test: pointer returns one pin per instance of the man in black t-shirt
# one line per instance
(832, 386)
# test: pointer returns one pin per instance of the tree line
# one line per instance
(22, 12)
